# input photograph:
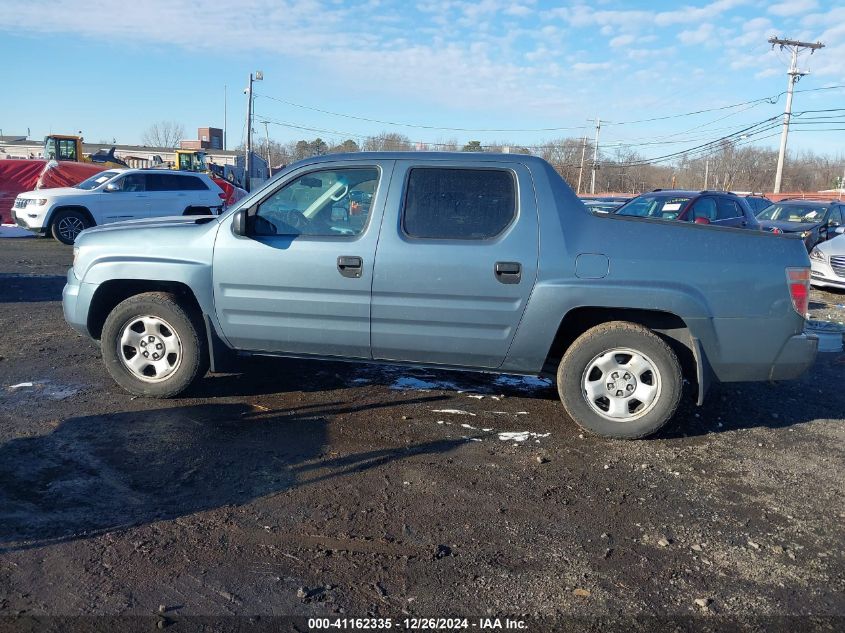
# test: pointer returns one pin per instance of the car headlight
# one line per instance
(75, 256)
(805, 234)
(818, 255)
(39, 202)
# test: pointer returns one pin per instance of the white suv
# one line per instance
(115, 195)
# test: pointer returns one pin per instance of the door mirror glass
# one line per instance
(111, 187)
(840, 230)
(239, 223)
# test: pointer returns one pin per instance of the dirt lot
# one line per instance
(340, 490)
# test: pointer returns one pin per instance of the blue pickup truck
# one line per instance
(478, 262)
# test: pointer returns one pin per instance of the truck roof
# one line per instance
(434, 156)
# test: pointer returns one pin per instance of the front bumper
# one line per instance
(30, 224)
(796, 357)
(76, 300)
(822, 275)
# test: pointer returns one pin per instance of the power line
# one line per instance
(771, 100)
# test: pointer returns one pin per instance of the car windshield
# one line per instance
(96, 180)
(798, 213)
(654, 206)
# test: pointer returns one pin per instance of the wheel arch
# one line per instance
(69, 207)
(669, 326)
(112, 292)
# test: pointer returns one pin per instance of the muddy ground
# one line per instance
(339, 490)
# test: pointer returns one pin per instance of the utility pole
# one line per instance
(247, 159)
(794, 75)
(267, 136)
(581, 170)
(706, 172)
(595, 157)
(225, 116)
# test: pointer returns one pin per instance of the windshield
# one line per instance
(96, 180)
(798, 213)
(654, 206)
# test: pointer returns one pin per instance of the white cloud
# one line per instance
(518, 10)
(702, 35)
(588, 67)
(793, 7)
(622, 40)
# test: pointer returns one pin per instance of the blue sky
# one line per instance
(112, 69)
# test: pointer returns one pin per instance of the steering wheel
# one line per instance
(296, 219)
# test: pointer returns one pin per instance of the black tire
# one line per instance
(67, 225)
(592, 348)
(179, 319)
(197, 211)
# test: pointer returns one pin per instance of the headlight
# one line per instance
(39, 202)
(805, 234)
(818, 255)
(75, 256)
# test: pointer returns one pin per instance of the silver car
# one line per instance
(827, 260)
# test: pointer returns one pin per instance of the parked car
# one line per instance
(757, 203)
(115, 195)
(827, 260)
(602, 206)
(814, 220)
(466, 261)
(720, 208)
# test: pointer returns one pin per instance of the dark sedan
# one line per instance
(815, 220)
(719, 208)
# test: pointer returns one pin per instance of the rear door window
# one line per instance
(157, 182)
(458, 204)
(188, 183)
(727, 209)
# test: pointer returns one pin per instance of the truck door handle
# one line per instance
(508, 272)
(350, 265)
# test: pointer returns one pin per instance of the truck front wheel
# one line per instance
(154, 346)
(620, 380)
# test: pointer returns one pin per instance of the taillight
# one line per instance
(222, 195)
(798, 280)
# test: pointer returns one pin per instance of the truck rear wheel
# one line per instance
(620, 380)
(67, 225)
(154, 346)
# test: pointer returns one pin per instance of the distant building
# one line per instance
(208, 138)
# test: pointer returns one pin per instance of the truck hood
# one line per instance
(174, 223)
(788, 227)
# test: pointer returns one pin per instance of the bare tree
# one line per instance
(164, 134)
(388, 142)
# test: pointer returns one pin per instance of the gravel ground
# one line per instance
(344, 490)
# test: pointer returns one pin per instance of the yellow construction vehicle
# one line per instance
(190, 160)
(61, 147)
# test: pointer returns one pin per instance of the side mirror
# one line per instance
(239, 223)
(702, 221)
(840, 230)
(111, 187)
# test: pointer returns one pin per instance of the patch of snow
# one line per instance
(469, 426)
(453, 411)
(525, 382)
(520, 436)
(47, 389)
(409, 382)
(477, 396)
